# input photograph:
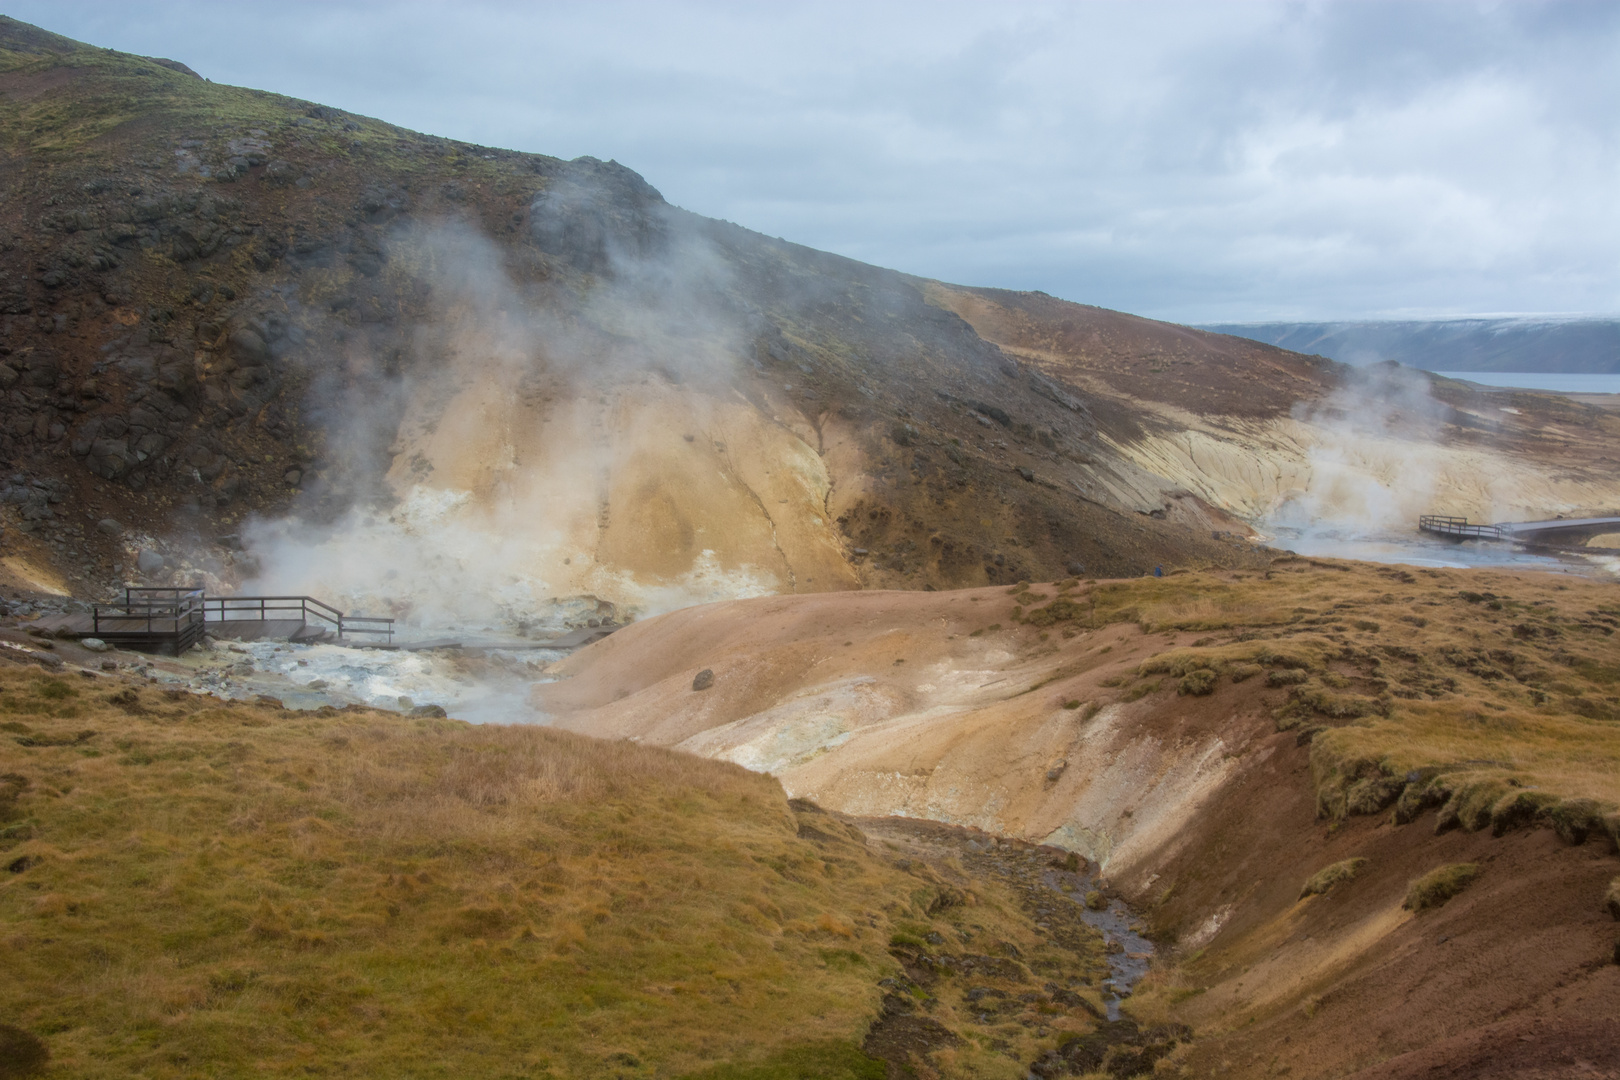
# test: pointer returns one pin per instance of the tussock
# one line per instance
(1327, 877)
(1439, 885)
(1197, 683)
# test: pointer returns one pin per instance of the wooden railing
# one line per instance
(162, 610)
(152, 617)
(303, 608)
(1458, 527)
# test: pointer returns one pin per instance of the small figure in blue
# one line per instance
(1158, 571)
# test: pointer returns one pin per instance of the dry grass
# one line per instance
(1323, 880)
(1439, 885)
(1491, 697)
(215, 890)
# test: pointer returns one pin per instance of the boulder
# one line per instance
(703, 679)
(95, 644)
(110, 526)
(249, 347)
(149, 561)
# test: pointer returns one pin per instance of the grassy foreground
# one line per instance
(196, 889)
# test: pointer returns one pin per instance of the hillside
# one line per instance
(904, 762)
(195, 887)
(263, 339)
(1214, 741)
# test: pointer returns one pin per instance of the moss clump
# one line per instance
(1329, 876)
(1142, 690)
(1060, 610)
(1242, 672)
(1095, 900)
(1518, 810)
(1325, 702)
(1471, 802)
(1357, 785)
(1439, 885)
(1285, 677)
(1417, 796)
(1177, 662)
(1197, 683)
(1611, 826)
(1576, 820)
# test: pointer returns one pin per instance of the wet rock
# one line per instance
(703, 679)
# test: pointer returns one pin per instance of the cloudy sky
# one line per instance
(1200, 162)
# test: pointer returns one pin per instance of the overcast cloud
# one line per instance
(1199, 162)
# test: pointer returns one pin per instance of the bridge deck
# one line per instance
(1521, 531)
(1558, 524)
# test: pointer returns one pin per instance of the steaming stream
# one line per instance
(1417, 549)
(481, 685)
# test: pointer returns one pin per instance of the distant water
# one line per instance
(1538, 380)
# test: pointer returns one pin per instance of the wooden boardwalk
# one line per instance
(172, 620)
(1555, 531)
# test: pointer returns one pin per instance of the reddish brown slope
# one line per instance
(1201, 372)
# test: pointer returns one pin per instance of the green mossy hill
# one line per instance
(201, 889)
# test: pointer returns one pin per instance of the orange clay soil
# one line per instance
(1314, 699)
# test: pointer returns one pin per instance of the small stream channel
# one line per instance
(1062, 894)
(1055, 897)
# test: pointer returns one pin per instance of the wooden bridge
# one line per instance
(173, 620)
(1558, 530)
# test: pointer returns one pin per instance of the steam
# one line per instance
(1375, 457)
(1382, 451)
(472, 476)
